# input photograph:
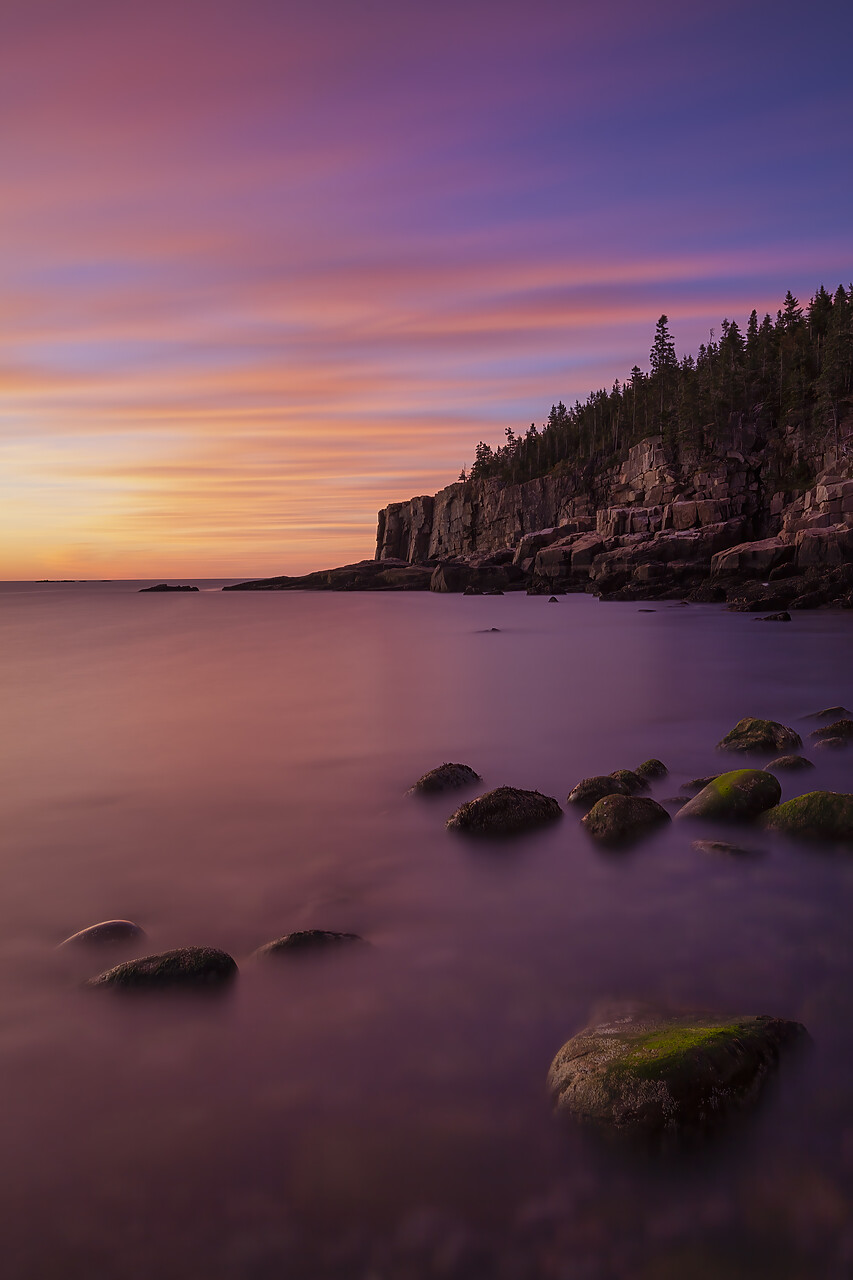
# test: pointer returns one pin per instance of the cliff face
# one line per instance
(653, 523)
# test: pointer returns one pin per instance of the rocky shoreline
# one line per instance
(723, 528)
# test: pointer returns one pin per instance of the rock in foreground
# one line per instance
(106, 931)
(618, 820)
(818, 815)
(650, 1072)
(753, 735)
(738, 796)
(505, 811)
(590, 790)
(307, 940)
(184, 967)
(447, 777)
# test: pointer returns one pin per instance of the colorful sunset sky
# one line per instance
(270, 265)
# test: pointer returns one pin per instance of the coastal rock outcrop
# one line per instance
(647, 1072)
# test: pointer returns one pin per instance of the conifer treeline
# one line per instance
(796, 370)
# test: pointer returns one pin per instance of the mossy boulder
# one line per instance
(650, 769)
(841, 731)
(105, 932)
(648, 1072)
(751, 735)
(184, 967)
(591, 790)
(619, 820)
(305, 941)
(788, 764)
(446, 777)
(505, 811)
(738, 796)
(818, 815)
(631, 781)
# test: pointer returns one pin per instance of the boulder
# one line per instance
(818, 815)
(184, 967)
(738, 796)
(722, 846)
(632, 782)
(591, 790)
(618, 820)
(651, 1072)
(105, 932)
(505, 811)
(651, 769)
(696, 784)
(751, 735)
(828, 713)
(306, 940)
(788, 763)
(841, 729)
(446, 777)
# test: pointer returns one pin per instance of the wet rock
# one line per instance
(631, 781)
(789, 764)
(827, 713)
(307, 940)
(722, 846)
(841, 730)
(184, 967)
(776, 617)
(105, 932)
(649, 1072)
(696, 784)
(738, 796)
(164, 586)
(505, 811)
(751, 735)
(446, 777)
(651, 769)
(618, 820)
(591, 790)
(818, 815)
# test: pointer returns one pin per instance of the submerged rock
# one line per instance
(631, 781)
(818, 815)
(590, 790)
(446, 777)
(784, 616)
(722, 846)
(184, 967)
(839, 732)
(735, 797)
(649, 1072)
(651, 769)
(696, 784)
(750, 734)
(106, 931)
(789, 763)
(505, 811)
(307, 940)
(622, 819)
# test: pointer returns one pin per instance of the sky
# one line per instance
(267, 266)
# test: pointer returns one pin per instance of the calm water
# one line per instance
(226, 768)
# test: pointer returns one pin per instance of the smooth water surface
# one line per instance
(225, 768)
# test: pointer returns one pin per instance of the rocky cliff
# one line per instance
(706, 523)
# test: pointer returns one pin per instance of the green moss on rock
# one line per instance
(738, 796)
(631, 781)
(505, 811)
(818, 815)
(651, 1072)
(751, 735)
(651, 769)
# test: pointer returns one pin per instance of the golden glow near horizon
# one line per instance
(264, 273)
